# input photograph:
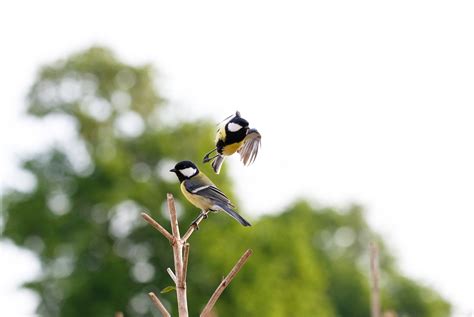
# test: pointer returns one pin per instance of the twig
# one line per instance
(178, 259)
(374, 270)
(171, 274)
(157, 226)
(173, 217)
(156, 301)
(185, 261)
(207, 309)
(193, 227)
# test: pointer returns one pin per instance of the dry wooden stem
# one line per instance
(171, 274)
(185, 261)
(374, 273)
(157, 226)
(181, 256)
(225, 282)
(178, 260)
(193, 227)
(156, 301)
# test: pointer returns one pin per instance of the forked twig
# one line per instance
(225, 282)
(178, 259)
(181, 258)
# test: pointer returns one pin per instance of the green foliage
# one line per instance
(168, 289)
(98, 256)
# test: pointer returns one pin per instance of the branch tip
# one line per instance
(225, 282)
(157, 226)
(156, 301)
(171, 274)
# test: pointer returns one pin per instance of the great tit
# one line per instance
(234, 135)
(202, 193)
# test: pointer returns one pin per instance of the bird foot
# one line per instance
(202, 215)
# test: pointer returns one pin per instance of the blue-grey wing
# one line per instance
(208, 191)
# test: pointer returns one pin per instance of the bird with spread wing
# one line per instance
(234, 135)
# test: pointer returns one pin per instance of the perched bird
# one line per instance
(234, 135)
(202, 193)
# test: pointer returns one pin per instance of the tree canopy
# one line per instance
(82, 217)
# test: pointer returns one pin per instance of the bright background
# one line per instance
(358, 101)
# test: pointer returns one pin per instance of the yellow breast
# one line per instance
(232, 148)
(197, 200)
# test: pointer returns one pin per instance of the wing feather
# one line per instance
(208, 191)
(249, 150)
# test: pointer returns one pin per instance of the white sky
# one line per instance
(358, 101)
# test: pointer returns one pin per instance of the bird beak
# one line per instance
(173, 170)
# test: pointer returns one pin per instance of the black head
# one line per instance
(185, 170)
(237, 124)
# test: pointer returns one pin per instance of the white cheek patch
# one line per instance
(234, 127)
(188, 172)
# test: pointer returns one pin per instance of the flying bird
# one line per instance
(202, 193)
(234, 135)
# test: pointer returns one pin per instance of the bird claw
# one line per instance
(195, 225)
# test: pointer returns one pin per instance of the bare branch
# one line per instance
(157, 226)
(178, 259)
(193, 227)
(159, 305)
(207, 309)
(173, 217)
(374, 270)
(171, 274)
(181, 257)
(185, 262)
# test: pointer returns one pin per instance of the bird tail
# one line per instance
(217, 163)
(236, 216)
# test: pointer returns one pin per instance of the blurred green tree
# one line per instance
(82, 217)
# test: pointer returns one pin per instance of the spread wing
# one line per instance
(209, 191)
(249, 150)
